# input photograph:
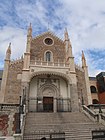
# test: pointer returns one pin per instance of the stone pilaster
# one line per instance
(10, 124)
(55, 105)
(74, 93)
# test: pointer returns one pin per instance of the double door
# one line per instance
(48, 104)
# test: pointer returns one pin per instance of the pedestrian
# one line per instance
(43, 138)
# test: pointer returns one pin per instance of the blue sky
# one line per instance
(84, 19)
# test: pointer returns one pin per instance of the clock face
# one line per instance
(48, 41)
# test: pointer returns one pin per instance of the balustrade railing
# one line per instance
(98, 108)
(47, 63)
(9, 107)
(91, 113)
(49, 135)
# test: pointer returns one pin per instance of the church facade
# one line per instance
(46, 76)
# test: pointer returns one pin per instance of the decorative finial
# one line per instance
(22, 57)
(10, 44)
(9, 48)
(66, 30)
(48, 27)
(30, 30)
(66, 35)
(30, 25)
(83, 56)
(83, 60)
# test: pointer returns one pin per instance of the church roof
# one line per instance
(101, 74)
(48, 33)
(92, 78)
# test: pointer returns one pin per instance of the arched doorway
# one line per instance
(93, 89)
(48, 93)
(48, 99)
(95, 101)
(48, 104)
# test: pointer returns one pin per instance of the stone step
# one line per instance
(76, 125)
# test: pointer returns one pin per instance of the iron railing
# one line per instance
(37, 105)
(98, 134)
(38, 135)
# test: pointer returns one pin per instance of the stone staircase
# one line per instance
(75, 125)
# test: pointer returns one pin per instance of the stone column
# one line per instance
(25, 86)
(74, 98)
(69, 94)
(69, 97)
(55, 105)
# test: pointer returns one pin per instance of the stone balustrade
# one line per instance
(91, 114)
(99, 117)
(46, 63)
(9, 107)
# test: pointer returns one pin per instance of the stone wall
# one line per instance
(7, 123)
(81, 86)
(13, 87)
(38, 48)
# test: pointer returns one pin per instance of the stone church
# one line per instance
(45, 93)
(47, 75)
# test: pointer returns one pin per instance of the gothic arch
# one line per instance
(48, 56)
(64, 76)
(50, 87)
(93, 89)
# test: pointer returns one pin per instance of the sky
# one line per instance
(84, 20)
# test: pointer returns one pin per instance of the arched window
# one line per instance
(93, 89)
(95, 101)
(48, 56)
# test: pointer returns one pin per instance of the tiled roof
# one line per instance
(92, 78)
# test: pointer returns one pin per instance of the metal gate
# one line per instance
(48, 135)
(98, 135)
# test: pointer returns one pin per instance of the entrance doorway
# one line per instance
(48, 104)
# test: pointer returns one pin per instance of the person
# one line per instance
(43, 138)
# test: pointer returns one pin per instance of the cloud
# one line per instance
(17, 37)
(85, 21)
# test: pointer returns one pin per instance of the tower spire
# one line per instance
(83, 60)
(66, 35)
(69, 50)
(68, 46)
(28, 46)
(85, 68)
(5, 74)
(8, 52)
(30, 30)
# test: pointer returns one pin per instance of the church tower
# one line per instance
(26, 64)
(69, 55)
(85, 68)
(27, 53)
(5, 74)
(72, 75)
